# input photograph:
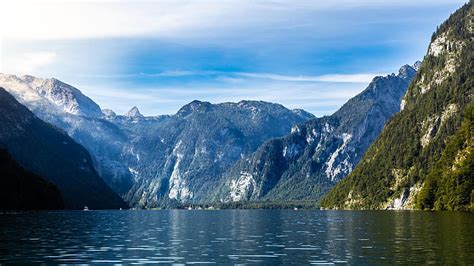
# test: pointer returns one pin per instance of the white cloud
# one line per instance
(28, 63)
(342, 78)
(239, 76)
(166, 18)
(99, 19)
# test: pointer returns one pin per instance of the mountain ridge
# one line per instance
(422, 159)
(317, 154)
(42, 149)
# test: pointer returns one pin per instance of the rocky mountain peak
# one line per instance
(303, 113)
(109, 113)
(406, 72)
(192, 107)
(134, 112)
(417, 65)
(50, 94)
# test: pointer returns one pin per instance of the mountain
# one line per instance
(67, 108)
(49, 95)
(137, 155)
(316, 155)
(180, 158)
(134, 113)
(50, 153)
(23, 190)
(423, 158)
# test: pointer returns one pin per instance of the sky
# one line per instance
(160, 55)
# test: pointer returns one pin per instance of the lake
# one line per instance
(238, 236)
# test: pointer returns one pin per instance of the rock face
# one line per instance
(23, 190)
(318, 154)
(191, 150)
(42, 149)
(423, 158)
(134, 113)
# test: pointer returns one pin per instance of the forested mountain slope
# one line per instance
(423, 158)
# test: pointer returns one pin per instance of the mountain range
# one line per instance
(319, 153)
(193, 155)
(159, 160)
(405, 142)
(192, 148)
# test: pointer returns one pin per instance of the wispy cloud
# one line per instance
(56, 19)
(238, 76)
(29, 62)
(162, 54)
(165, 74)
(349, 78)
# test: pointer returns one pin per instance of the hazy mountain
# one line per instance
(423, 158)
(67, 108)
(321, 152)
(45, 150)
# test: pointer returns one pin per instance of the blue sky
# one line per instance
(160, 55)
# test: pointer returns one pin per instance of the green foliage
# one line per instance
(450, 183)
(399, 147)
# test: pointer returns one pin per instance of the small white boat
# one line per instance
(190, 208)
(295, 209)
(86, 208)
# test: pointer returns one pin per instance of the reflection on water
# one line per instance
(237, 236)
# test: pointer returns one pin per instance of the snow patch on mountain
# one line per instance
(49, 94)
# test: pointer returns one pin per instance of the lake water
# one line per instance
(238, 236)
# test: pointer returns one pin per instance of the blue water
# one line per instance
(237, 236)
